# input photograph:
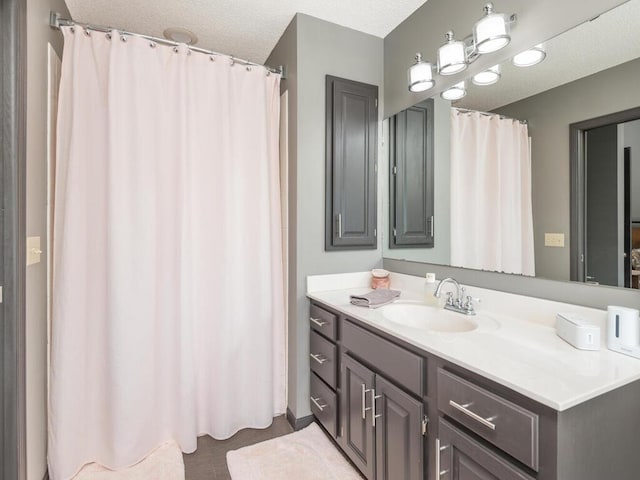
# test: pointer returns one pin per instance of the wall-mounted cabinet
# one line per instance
(411, 177)
(351, 168)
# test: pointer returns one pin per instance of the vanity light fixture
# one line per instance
(491, 32)
(530, 57)
(420, 75)
(452, 56)
(488, 77)
(454, 93)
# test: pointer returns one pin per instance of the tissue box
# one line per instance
(575, 330)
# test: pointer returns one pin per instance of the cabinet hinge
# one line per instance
(425, 422)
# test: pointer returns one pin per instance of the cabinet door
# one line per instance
(351, 151)
(462, 458)
(399, 449)
(355, 405)
(411, 180)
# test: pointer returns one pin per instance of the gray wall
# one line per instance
(323, 49)
(286, 53)
(39, 34)
(424, 32)
(632, 139)
(441, 252)
(549, 115)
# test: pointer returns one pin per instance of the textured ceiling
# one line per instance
(608, 40)
(247, 29)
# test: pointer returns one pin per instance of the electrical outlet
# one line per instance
(554, 239)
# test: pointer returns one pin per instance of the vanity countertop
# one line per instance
(516, 347)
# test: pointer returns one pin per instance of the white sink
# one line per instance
(425, 317)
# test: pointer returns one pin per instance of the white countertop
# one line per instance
(515, 344)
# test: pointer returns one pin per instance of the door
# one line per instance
(602, 252)
(355, 405)
(351, 155)
(462, 458)
(399, 449)
(411, 180)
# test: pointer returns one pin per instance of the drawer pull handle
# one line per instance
(374, 397)
(318, 322)
(364, 407)
(463, 408)
(316, 402)
(318, 357)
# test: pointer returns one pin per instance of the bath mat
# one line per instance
(164, 463)
(304, 455)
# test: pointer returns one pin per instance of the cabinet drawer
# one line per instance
(394, 362)
(323, 322)
(460, 456)
(324, 405)
(323, 358)
(503, 423)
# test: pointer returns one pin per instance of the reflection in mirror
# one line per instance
(589, 72)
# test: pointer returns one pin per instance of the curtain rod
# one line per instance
(489, 114)
(56, 21)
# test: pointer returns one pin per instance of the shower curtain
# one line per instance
(168, 302)
(491, 209)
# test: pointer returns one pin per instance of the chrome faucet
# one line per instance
(461, 304)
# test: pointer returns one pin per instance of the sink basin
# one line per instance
(424, 317)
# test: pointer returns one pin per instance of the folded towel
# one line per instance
(375, 298)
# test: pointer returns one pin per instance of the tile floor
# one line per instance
(209, 461)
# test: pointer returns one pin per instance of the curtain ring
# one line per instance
(108, 35)
(176, 50)
(188, 52)
(248, 68)
(123, 38)
(87, 32)
(212, 58)
(152, 44)
(72, 29)
(233, 62)
(268, 72)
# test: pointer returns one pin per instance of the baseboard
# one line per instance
(298, 423)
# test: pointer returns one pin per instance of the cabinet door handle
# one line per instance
(339, 225)
(439, 449)
(318, 357)
(484, 421)
(316, 402)
(431, 227)
(318, 322)
(374, 397)
(364, 407)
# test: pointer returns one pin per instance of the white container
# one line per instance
(623, 330)
(430, 286)
(573, 329)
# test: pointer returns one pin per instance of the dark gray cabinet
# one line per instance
(462, 458)
(412, 177)
(379, 417)
(351, 168)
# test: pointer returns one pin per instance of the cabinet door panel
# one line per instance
(463, 458)
(411, 179)
(399, 447)
(357, 431)
(352, 116)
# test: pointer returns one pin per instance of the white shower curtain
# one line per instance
(168, 305)
(491, 210)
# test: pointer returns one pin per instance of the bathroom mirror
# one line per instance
(589, 72)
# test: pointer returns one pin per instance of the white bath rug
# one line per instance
(304, 455)
(164, 463)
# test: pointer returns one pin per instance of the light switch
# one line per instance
(33, 250)
(554, 239)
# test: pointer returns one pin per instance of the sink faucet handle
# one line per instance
(450, 298)
(468, 305)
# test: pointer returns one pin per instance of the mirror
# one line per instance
(589, 72)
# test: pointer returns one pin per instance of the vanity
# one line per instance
(410, 395)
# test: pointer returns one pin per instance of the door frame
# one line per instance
(13, 238)
(578, 185)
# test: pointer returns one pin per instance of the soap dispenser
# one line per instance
(429, 290)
